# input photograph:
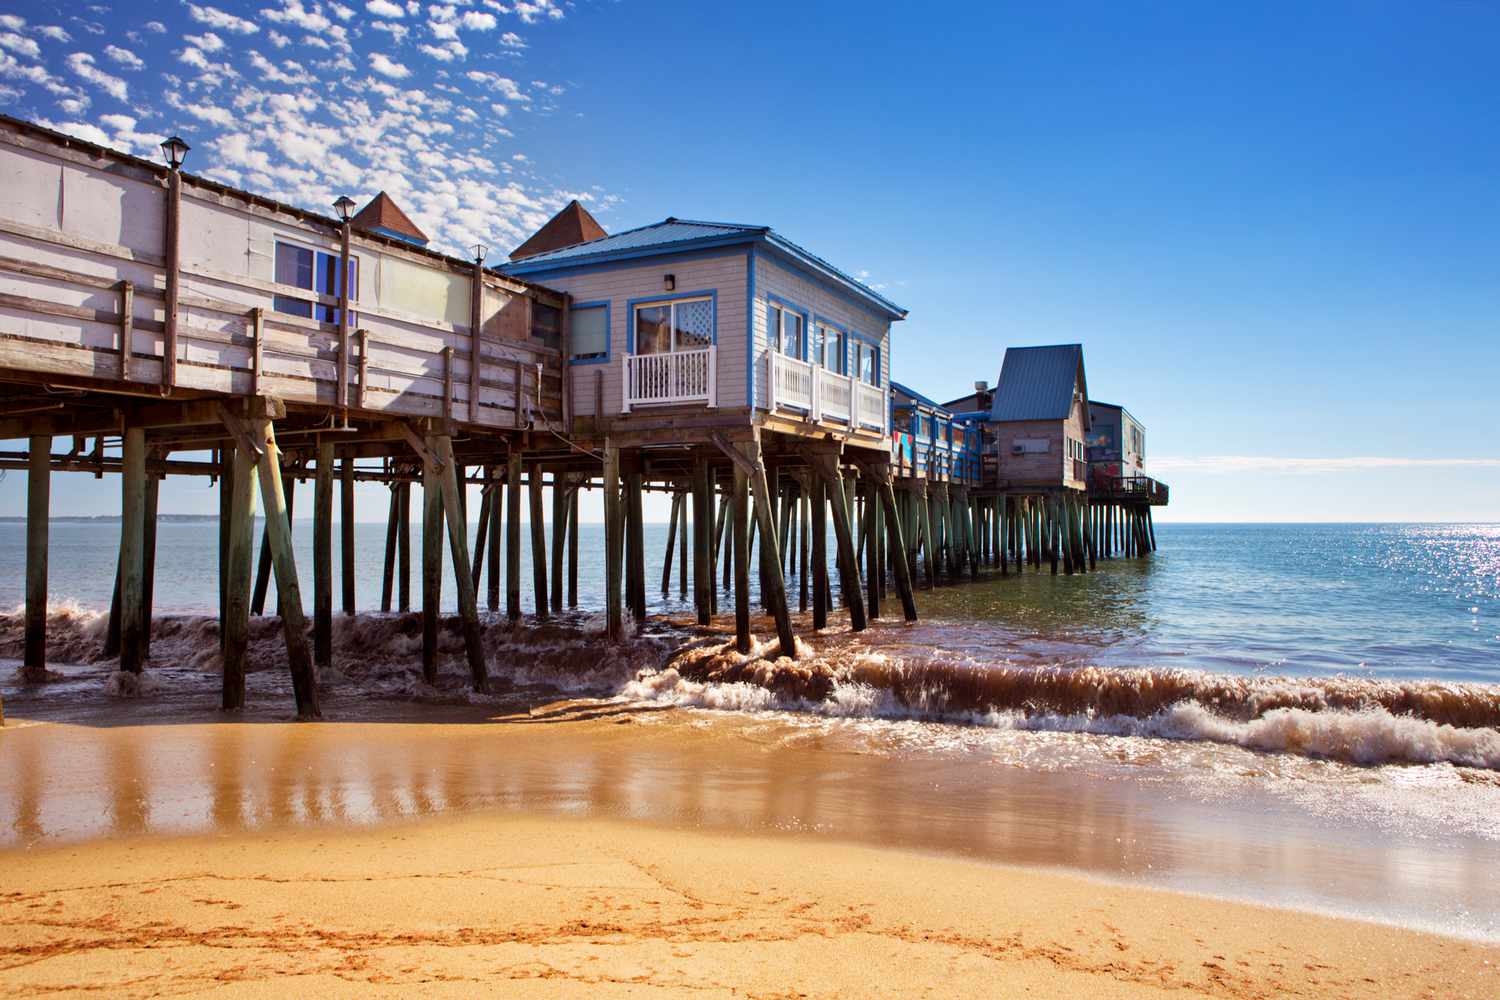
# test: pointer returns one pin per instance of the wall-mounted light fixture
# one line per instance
(345, 207)
(670, 281)
(176, 151)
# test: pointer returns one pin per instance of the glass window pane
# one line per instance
(694, 323)
(653, 335)
(294, 265)
(793, 336)
(773, 327)
(588, 335)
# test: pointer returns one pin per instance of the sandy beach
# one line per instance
(492, 905)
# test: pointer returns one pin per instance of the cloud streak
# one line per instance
(1230, 464)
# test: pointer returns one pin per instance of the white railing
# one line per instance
(869, 406)
(819, 394)
(790, 382)
(676, 377)
(835, 396)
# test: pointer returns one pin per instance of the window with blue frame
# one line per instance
(830, 349)
(588, 332)
(317, 272)
(784, 331)
(867, 362)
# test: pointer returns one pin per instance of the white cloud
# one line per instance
(82, 64)
(511, 40)
(124, 57)
(208, 41)
(341, 12)
(533, 11)
(503, 85)
(478, 20)
(396, 31)
(289, 72)
(12, 22)
(447, 52)
(384, 8)
(293, 12)
(1310, 466)
(215, 18)
(211, 113)
(54, 32)
(156, 27)
(81, 130)
(21, 44)
(382, 64)
(278, 39)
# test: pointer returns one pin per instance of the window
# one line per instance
(784, 331)
(683, 325)
(830, 349)
(867, 362)
(546, 325)
(317, 272)
(588, 332)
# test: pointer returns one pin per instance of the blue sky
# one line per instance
(1275, 230)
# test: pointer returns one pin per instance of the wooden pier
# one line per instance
(155, 323)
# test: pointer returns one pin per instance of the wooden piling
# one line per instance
(283, 562)
(513, 536)
(323, 555)
(702, 528)
(666, 564)
(38, 511)
(432, 563)
(346, 531)
(740, 556)
(492, 542)
(872, 543)
(538, 539)
(750, 462)
(900, 568)
(481, 535)
(388, 575)
(148, 561)
(403, 551)
(614, 546)
(819, 515)
(240, 485)
(263, 566)
(458, 550)
(826, 465)
(559, 536)
(132, 550)
(635, 542)
(573, 547)
(805, 518)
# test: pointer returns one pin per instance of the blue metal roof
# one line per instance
(1037, 383)
(676, 235)
(916, 397)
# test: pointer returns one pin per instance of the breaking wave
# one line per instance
(1351, 719)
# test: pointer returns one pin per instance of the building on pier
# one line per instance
(1117, 457)
(1039, 419)
(931, 441)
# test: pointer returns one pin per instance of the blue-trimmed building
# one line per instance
(681, 317)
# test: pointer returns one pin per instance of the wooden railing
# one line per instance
(674, 377)
(1141, 489)
(819, 394)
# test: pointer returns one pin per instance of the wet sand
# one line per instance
(491, 905)
(601, 847)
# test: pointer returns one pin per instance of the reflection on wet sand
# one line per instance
(735, 773)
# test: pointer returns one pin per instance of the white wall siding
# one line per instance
(723, 274)
(819, 301)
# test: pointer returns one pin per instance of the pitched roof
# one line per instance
(915, 397)
(1037, 383)
(383, 214)
(569, 227)
(673, 235)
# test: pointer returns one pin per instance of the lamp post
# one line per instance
(345, 209)
(175, 151)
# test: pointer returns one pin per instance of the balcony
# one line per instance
(821, 396)
(668, 379)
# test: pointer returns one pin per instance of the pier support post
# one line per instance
(346, 530)
(458, 550)
(432, 563)
(747, 459)
(132, 549)
(513, 536)
(826, 465)
(323, 556)
(880, 477)
(538, 538)
(388, 575)
(819, 551)
(872, 547)
(148, 561)
(559, 535)
(240, 485)
(702, 528)
(666, 563)
(403, 551)
(492, 573)
(573, 545)
(263, 566)
(614, 546)
(740, 554)
(38, 511)
(481, 532)
(635, 547)
(283, 562)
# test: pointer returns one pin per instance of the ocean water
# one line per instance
(1301, 714)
